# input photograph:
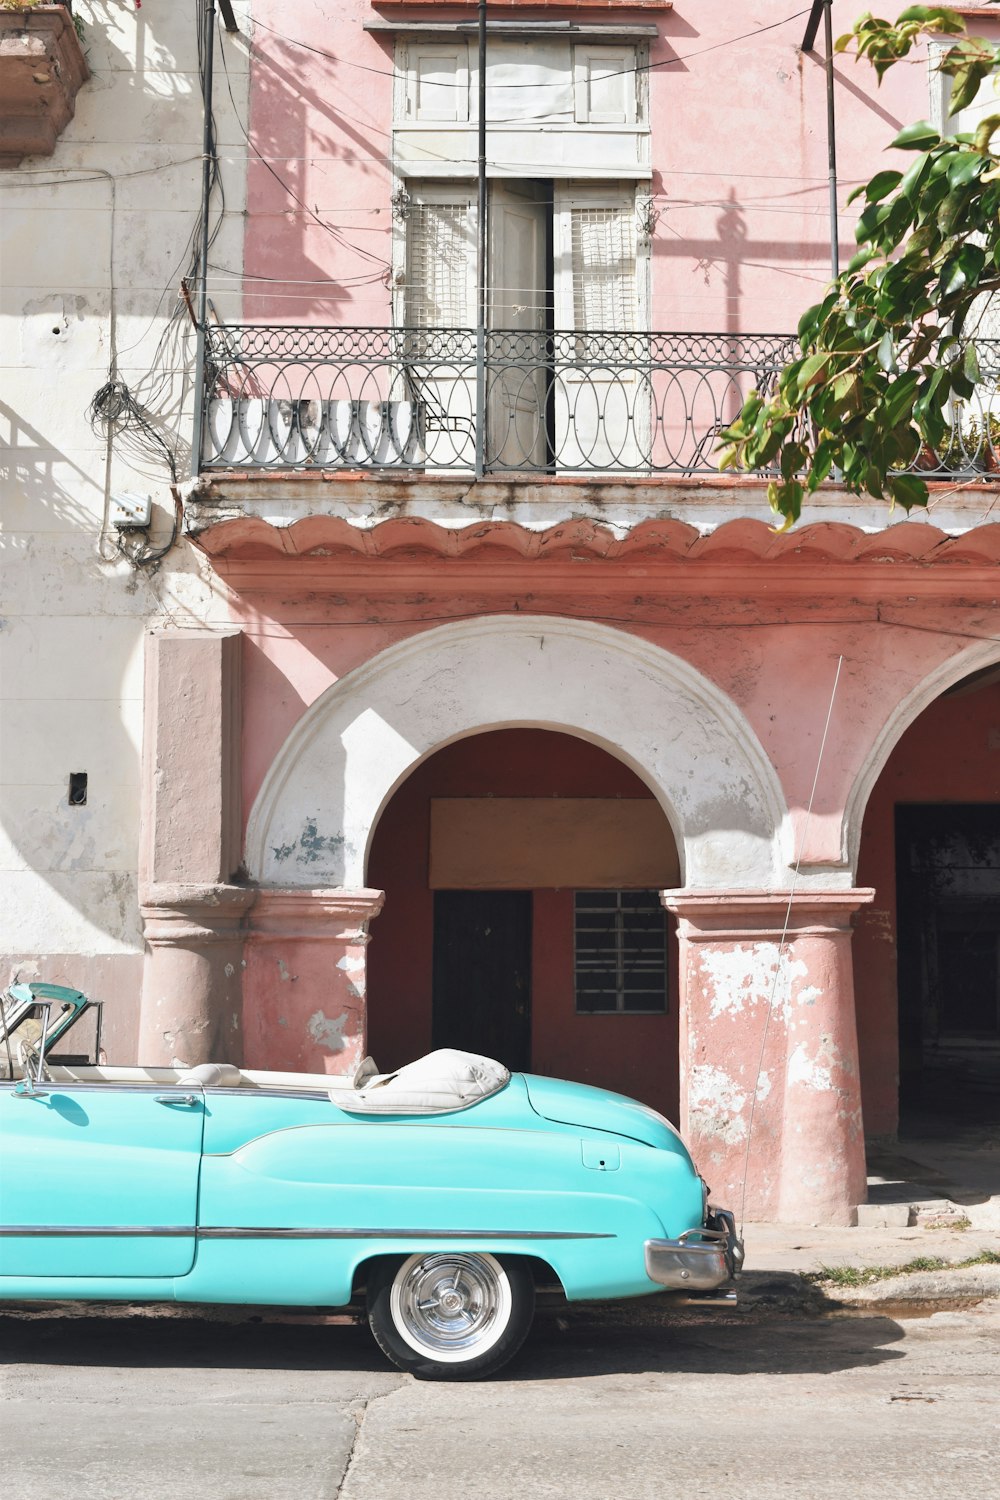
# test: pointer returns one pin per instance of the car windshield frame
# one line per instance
(24, 1004)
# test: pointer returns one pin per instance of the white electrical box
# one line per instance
(130, 509)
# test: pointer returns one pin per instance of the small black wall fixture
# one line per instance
(77, 789)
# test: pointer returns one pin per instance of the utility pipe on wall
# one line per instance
(207, 169)
(808, 43)
(481, 257)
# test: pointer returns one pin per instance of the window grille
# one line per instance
(620, 951)
(441, 266)
(603, 257)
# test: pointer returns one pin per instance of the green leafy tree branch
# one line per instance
(892, 345)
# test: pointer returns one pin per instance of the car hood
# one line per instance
(597, 1109)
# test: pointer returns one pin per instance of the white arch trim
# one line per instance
(945, 675)
(312, 821)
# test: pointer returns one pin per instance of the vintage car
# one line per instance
(441, 1194)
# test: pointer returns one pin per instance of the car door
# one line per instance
(98, 1179)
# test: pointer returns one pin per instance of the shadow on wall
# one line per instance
(318, 184)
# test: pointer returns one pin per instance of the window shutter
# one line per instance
(602, 250)
(441, 258)
(437, 82)
(604, 79)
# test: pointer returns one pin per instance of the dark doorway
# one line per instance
(482, 974)
(948, 891)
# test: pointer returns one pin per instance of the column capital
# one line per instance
(331, 914)
(731, 915)
(181, 912)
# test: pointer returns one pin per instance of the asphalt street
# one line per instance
(599, 1405)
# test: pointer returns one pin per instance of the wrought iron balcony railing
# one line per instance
(299, 397)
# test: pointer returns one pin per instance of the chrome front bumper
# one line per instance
(699, 1260)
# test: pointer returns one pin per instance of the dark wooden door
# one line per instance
(482, 974)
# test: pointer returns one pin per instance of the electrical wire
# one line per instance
(333, 232)
(123, 413)
(669, 62)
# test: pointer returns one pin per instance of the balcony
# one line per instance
(42, 69)
(299, 398)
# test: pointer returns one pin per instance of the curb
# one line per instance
(913, 1291)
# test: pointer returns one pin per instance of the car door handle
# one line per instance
(188, 1101)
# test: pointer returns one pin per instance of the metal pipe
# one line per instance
(481, 257)
(207, 168)
(831, 141)
(812, 25)
(808, 43)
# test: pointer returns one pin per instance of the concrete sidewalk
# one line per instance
(933, 1196)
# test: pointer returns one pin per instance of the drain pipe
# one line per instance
(481, 257)
(207, 165)
(808, 44)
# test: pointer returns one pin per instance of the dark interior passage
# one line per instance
(481, 853)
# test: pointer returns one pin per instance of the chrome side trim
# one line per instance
(241, 1232)
(234, 1233)
(99, 1231)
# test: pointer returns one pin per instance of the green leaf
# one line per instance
(964, 269)
(785, 499)
(886, 354)
(965, 166)
(861, 259)
(985, 131)
(952, 210)
(970, 364)
(907, 490)
(900, 398)
(930, 13)
(916, 137)
(881, 185)
(812, 370)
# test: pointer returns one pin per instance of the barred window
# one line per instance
(603, 260)
(620, 950)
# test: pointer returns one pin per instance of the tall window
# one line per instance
(620, 945)
(603, 268)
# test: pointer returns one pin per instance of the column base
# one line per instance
(191, 982)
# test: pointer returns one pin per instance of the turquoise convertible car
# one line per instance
(442, 1194)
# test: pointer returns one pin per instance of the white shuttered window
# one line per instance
(602, 251)
(441, 263)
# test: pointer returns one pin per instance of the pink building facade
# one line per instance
(568, 756)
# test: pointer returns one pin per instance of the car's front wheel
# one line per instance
(450, 1315)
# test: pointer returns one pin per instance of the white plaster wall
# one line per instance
(101, 224)
(315, 814)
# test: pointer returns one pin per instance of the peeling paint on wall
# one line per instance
(717, 1103)
(310, 846)
(352, 963)
(327, 1032)
(741, 977)
(810, 1072)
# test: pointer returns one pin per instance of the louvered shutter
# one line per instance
(441, 262)
(602, 260)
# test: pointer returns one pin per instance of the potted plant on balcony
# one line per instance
(42, 69)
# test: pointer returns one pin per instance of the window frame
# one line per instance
(621, 1007)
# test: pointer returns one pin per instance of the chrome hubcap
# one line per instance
(451, 1306)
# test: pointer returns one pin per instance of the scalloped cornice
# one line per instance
(414, 539)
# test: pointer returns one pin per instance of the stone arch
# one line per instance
(945, 675)
(314, 816)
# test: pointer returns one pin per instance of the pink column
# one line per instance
(191, 996)
(304, 1003)
(190, 848)
(770, 1084)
